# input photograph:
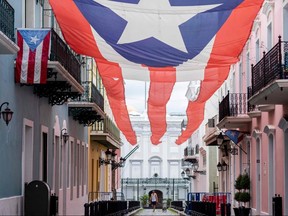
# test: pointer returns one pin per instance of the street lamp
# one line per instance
(6, 114)
(183, 175)
(222, 167)
(195, 167)
(187, 174)
(107, 160)
(219, 167)
(64, 135)
(108, 154)
(220, 138)
(122, 161)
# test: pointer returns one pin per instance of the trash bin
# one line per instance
(37, 198)
(53, 205)
(277, 205)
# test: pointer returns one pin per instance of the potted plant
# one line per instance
(169, 202)
(242, 196)
(144, 200)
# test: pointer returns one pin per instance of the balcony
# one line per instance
(233, 112)
(7, 35)
(89, 107)
(185, 164)
(211, 132)
(106, 133)
(189, 155)
(270, 77)
(63, 75)
(253, 110)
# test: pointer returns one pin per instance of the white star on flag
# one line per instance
(34, 39)
(143, 24)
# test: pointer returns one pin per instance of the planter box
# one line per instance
(242, 211)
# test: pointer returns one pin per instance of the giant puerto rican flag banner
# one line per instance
(160, 41)
(32, 58)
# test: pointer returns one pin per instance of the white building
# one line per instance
(149, 161)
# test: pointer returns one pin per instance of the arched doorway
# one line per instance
(160, 197)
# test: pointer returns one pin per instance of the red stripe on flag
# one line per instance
(44, 61)
(161, 86)
(195, 115)
(31, 67)
(114, 84)
(19, 58)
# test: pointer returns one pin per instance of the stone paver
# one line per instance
(149, 212)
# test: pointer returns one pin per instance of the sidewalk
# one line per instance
(149, 212)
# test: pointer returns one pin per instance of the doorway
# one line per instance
(27, 152)
(160, 197)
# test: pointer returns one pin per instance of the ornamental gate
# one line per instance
(168, 188)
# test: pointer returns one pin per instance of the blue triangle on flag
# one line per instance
(33, 37)
(234, 135)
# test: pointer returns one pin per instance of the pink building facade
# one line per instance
(254, 101)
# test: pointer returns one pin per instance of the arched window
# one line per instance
(155, 166)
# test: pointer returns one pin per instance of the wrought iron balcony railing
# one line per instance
(152, 181)
(7, 19)
(107, 126)
(185, 163)
(62, 53)
(92, 94)
(249, 95)
(270, 67)
(233, 104)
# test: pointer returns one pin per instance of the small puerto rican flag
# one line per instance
(32, 59)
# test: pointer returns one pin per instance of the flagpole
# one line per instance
(241, 148)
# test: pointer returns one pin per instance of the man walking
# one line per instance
(153, 199)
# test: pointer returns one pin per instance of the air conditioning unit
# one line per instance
(211, 122)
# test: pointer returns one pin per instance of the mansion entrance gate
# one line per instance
(168, 188)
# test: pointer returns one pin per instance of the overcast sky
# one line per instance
(135, 96)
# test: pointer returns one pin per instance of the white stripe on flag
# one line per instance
(133, 71)
(38, 63)
(24, 66)
(198, 63)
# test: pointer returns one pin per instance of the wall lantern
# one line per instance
(219, 167)
(6, 114)
(183, 175)
(65, 135)
(222, 167)
(195, 167)
(111, 159)
(187, 174)
(107, 160)
(122, 161)
(220, 138)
